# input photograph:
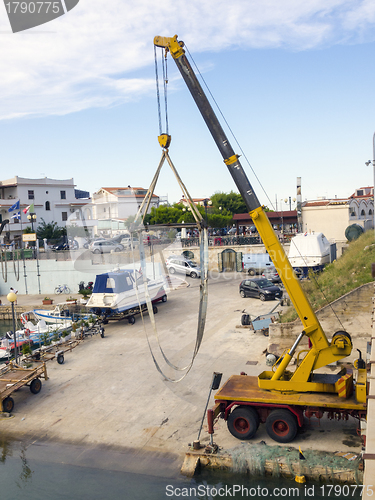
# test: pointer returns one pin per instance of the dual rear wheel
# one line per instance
(281, 425)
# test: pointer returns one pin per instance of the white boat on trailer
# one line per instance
(122, 293)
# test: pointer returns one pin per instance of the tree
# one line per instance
(50, 231)
(232, 202)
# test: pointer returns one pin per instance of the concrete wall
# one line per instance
(353, 310)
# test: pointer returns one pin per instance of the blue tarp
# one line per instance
(113, 282)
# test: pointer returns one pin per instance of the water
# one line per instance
(6, 325)
(53, 472)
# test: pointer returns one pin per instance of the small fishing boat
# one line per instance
(119, 292)
(62, 313)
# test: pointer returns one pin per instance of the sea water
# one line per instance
(53, 477)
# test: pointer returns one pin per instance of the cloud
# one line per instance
(94, 55)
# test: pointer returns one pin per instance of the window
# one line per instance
(30, 194)
(62, 195)
(363, 213)
(64, 215)
(48, 207)
(110, 283)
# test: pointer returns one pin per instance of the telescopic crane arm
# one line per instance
(322, 352)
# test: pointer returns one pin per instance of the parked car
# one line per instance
(272, 275)
(260, 288)
(105, 246)
(181, 264)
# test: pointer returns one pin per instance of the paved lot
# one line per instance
(109, 393)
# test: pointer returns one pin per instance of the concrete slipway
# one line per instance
(109, 397)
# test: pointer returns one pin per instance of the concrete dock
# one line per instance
(108, 395)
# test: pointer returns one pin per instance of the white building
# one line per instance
(54, 201)
(112, 206)
(332, 217)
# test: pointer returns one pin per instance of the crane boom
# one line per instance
(322, 352)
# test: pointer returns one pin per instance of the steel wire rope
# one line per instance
(165, 85)
(229, 128)
(157, 89)
(204, 276)
(248, 162)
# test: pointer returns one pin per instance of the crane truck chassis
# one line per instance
(280, 398)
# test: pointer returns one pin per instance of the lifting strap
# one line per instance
(203, 238)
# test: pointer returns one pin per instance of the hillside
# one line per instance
(352, 270)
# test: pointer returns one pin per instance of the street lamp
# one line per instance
(32, 219)
(369, 162)
(12, 297)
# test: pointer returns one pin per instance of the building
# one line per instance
(52, 200)
(112, 206)
(332, 216)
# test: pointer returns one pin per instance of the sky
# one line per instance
(294, 80)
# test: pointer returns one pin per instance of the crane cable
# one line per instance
(254, 173)
(165, 83)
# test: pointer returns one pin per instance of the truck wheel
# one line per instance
(281, 426)
(8, 404)
(35, 386)
(243, 294)
(131, 320)
(251, 272)
(262, 297)
(243, 422)
(245, 320)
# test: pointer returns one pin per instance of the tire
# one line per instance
(281, 426)
(96, 250)
(245, 320)
(154, 309)
(243, 294)
(164, 298)
(60, 359)
(251, 272)
(67, 290)
(262, 297)
(172, 270)
(117, 249)
(102, 333)
(35, 386)
(58, 290)
(193, 274)
(243, 422)
(8, 404)
(131, 320)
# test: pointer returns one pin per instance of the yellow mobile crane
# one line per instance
(279, 397)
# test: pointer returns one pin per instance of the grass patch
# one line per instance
(352, 270)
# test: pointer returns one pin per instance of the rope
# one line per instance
(4, 266)
(165, 83)
(203, 237)
(157, 89)
(229, 128)
(16, 273)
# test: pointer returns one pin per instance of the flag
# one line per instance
(14, 207)
(17, 215)
(30, 209)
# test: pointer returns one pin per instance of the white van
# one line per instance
(257, 263)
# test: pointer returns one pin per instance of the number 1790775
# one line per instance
(33, 7)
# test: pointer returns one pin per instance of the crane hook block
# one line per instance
(164, 140)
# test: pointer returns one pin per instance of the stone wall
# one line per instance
(353, 310)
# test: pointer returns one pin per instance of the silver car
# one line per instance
(182, 265)
(105, 246)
